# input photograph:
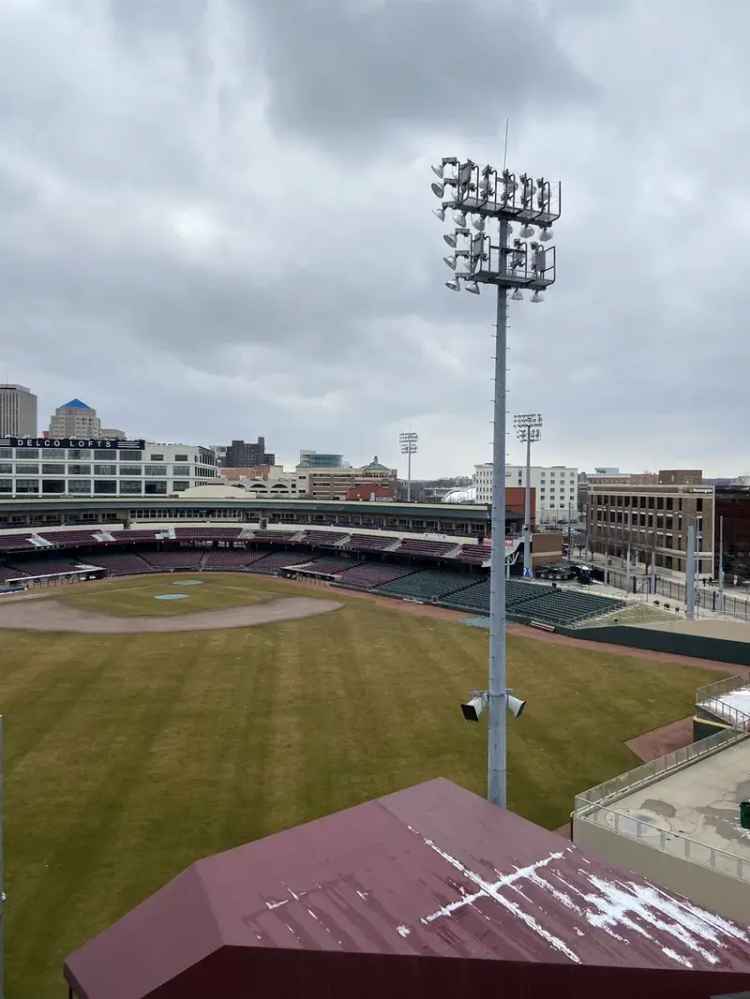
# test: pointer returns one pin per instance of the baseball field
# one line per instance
(129, 753)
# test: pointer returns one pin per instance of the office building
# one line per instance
(75, 419)
(106, 468)
(316, 459)
(651, 520)
(242, 454)
(17, 411)
(556, 489)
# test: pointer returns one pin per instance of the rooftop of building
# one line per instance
(430, 872)
(17, 388)
(76, 404)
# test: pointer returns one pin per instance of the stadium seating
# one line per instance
(329, 566)
(42, 566)
(120, 563)
(369, 574)
(7, 572)
(15, 542)
(184, 559)
(370, 542)
(476, 597)
(285, 536)
(325, 539)
(130, 537)
(207, 533)
(271, 563)
(428, 584)
(475, 554)
(418, 546)
(565, 607)
(230, 558)
(70, 539)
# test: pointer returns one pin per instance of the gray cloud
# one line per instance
(216, 223)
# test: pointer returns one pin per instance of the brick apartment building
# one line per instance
(652, 518)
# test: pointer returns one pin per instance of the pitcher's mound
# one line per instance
(50, 615)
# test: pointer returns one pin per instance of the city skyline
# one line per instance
(637, 357)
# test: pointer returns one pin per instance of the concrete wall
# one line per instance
(697, 646)
(701, 885)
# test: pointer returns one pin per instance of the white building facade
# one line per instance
(51, 467)
(556, 489)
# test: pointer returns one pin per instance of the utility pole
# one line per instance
(690, 574)
(721, 563)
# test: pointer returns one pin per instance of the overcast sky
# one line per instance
(215, 222)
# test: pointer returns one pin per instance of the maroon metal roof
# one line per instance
(400, 882)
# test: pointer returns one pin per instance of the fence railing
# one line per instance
(646, 773)
(712, 698)
(674, 844)
(598, 806)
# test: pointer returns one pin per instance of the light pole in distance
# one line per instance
(408, 442)
(528, 429)
(487, 204)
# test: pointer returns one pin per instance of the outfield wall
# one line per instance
(696, 646)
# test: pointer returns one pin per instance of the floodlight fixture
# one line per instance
(526, 231)
(452, 238)
(437, 189)
(440, 212)
(517, 295)
(473, 708)
(537, 297)
(460, 218)
(453, 285)
(546, 234)
(450, 262)
(438, 170)
(472, 287)
(478, 223)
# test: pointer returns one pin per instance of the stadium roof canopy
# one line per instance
(430, 891)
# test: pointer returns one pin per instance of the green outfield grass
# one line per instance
(128, 757)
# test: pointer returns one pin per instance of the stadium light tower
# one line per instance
(408, 442)
(528, 428)
(487, 203)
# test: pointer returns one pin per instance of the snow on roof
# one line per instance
(432, 871)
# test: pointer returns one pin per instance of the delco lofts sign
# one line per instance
(57, 443)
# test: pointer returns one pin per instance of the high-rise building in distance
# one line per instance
(76, 419)
(17, 411)
(246, 455)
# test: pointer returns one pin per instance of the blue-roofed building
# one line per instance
(77, 419)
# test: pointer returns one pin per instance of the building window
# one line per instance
(131, 488)
(53, 485)
(6, 452)
(74, 454)
(670, 503)
(27, 469)
(27, 485)
(6, 485)
(27, 452)
(181, 457)
(132, 456)
(6, 469)
(699, 505)
(79, 469)
(659, 502)
(53, 469)
(79, 487)
(105, 469)
(186, 471)
(156, 488)
(157, 457)
(179, 485)
(131, 470)
(157, 470)
(105, 487)
(105, 455)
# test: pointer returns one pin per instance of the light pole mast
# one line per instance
(478, 196)
(528, 428)
(408, 442)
